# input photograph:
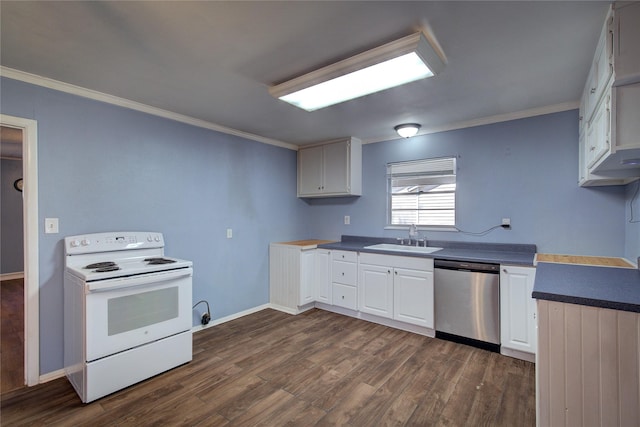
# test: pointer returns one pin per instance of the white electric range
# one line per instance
(127, 311)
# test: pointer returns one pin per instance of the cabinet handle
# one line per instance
(396, 272)
(504, 270)
(342, 296)
(388, 271)
(593, 90)
(343, 273)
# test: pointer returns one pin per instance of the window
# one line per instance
(422, 192)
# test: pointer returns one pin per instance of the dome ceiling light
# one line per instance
(407, 130)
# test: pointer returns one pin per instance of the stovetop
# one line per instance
(101, 256)
(101, 270)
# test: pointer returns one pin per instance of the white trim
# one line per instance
(122, 102)
(132, 105)
(12, 276)
(53, 375)
(31, 255)
(540, 111)
(231, 317)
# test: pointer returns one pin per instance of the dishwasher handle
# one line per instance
(467, 266)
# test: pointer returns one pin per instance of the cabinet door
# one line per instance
(601, 65)
(375, 289)
(307, 274)
(413, 297)
(598, 134)
(517, 309)
(626, 42)
(310, 168)
(323, 276)
(336, 168)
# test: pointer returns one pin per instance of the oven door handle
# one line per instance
(151, 279)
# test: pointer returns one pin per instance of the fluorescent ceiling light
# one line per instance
(393, 64)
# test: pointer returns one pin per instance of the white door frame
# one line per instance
(30, 236)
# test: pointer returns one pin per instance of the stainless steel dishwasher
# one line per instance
(467, 303)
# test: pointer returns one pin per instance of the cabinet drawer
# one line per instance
(346, 256)
(344, 272)
(344, 296)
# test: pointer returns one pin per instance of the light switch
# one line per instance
(229, 233)
(347, 220)
(51, 225)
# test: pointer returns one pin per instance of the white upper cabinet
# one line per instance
(626, 47)
(331, 170)
(610, 104)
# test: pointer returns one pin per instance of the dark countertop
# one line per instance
(604, 287)
(495, 253)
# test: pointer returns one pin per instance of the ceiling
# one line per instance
(214, 60)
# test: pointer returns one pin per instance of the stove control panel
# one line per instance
(107, 242)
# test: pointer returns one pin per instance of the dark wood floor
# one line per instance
(11, 335)
(317, 368)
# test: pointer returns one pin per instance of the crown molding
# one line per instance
(132, 105)
(540, 111)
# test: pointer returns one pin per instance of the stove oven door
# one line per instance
(128, 312)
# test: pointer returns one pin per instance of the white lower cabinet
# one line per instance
(399, 288)
(322, 279)
(344, 296)
(376, 290)
(517, 309)
(344, 273)
(291, 276)
(413, 297)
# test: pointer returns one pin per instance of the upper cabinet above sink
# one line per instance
(332, 169)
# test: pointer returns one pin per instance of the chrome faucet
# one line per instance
(413, 234)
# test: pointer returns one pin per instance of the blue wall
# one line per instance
(523, 169)
(11, 228)
(106, 168)
(632, 246)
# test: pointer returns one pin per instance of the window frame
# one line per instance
(437, 167)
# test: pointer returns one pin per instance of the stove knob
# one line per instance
(149, 238)
(75, 243)
(157, 238)
(86, 242)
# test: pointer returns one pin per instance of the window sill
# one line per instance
(421, 228)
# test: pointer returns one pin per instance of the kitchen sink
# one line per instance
(403, 248)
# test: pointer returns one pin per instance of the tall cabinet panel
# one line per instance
(517, 309)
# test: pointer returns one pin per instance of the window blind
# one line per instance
(422, 192)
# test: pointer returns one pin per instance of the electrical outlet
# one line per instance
(506, 221)
(347, 220)
(51, 225)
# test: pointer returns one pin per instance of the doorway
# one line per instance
(29, 186)
(11, 262)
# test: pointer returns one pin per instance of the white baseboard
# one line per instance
(517, 354)
(231, 317)
(50, 376)
(12, 276)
